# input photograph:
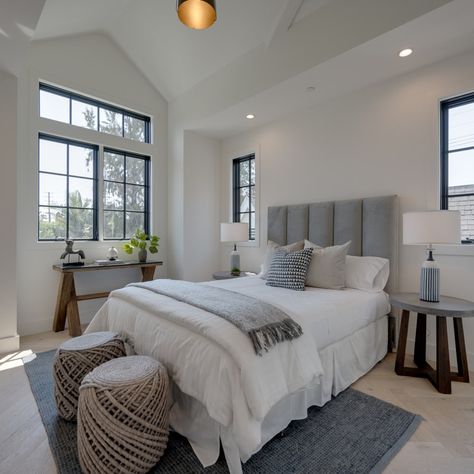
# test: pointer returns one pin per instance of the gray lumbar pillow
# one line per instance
(328, 266)
(272, 248)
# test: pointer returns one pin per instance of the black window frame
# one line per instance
(236, 187)
(446, 105)
(67, 207)
(146, 186)
(99, 104)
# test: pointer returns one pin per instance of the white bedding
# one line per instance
(213, 363)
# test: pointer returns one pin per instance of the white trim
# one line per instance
(9, 344)
(232, 156)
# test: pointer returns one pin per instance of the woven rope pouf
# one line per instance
(123, 416)
(74, 360)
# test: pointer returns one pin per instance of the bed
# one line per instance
(223, 394)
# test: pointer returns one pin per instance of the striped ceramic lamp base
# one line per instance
(429, 281)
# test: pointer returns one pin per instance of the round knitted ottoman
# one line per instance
(74, 360)
(123, 416)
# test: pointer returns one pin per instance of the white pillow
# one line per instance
(367, 273)
(272, 247)
(328, 266)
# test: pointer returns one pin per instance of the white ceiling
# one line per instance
(18, 20)
(262, 54)
(172, 56)
(440, 34)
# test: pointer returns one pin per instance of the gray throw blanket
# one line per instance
(265, 324)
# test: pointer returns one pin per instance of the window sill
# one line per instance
(461, 250)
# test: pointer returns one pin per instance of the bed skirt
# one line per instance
(343, 362)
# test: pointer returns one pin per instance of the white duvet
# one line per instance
(213, 362)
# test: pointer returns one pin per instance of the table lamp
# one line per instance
(234, 232)
(428, 228)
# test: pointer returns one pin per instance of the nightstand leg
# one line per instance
(461, 357)
(402, 343)
(443, 370)
(420, 340)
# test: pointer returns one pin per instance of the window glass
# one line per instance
(84, 114)
(111, 122)
(134, 128)
(67, 203)
(457, 161)
(244, 192)
(54, 106)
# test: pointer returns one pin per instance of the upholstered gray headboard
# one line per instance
(370, 223)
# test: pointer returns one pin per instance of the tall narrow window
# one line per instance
(243, 195)
(67, 189)
(457, 160)
(126, 194)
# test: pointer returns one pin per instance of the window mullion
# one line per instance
(100, 193)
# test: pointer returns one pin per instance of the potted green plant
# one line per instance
(140, 240)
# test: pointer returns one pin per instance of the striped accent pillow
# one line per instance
(289, 270)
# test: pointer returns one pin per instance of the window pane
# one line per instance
(244, 218)
(252, 198)
(135, 220)
(252, 226)
(244, 173)
(461, 127)
(245, 200)
(111, 122)
(81, 161)
(81, 192)
(84, 114)
(113, 195)
(113, 225)
(464, 204)
(53, 156)
(81, 224)
(252, 171)
(113, 166)
(52, 223)
(461, 172)
(135, 170)
(134, 128)
(52, 190)
(135, 198)
(54, 106)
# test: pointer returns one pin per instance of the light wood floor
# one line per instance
(444, 442)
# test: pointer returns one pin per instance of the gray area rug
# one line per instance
(354, 433)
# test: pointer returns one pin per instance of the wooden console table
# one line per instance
(66, 303)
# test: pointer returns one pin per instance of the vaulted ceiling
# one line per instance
(260, 56)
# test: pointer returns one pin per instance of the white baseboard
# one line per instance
(9, 344)
(431, 353)
(29, 328)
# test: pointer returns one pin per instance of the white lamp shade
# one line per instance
(432, 227)
(234, 232)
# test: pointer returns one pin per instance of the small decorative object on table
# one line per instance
(139, 241)
(428, 228)
(234, 232)
(112, 254)
(68, 252)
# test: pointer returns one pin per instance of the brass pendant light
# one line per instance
(197, 14)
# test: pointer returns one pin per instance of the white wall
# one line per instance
(95, 66)
(9, 339)
(377, 141)
(201, 211)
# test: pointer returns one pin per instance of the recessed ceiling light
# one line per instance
(405, 52)
(311, 89)
(250, 116)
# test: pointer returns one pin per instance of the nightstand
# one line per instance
(454, 308)
(228, 275)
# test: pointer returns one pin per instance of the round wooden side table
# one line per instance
(229, 275)
(449, 307)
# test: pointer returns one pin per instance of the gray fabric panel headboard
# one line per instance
(371, 224)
